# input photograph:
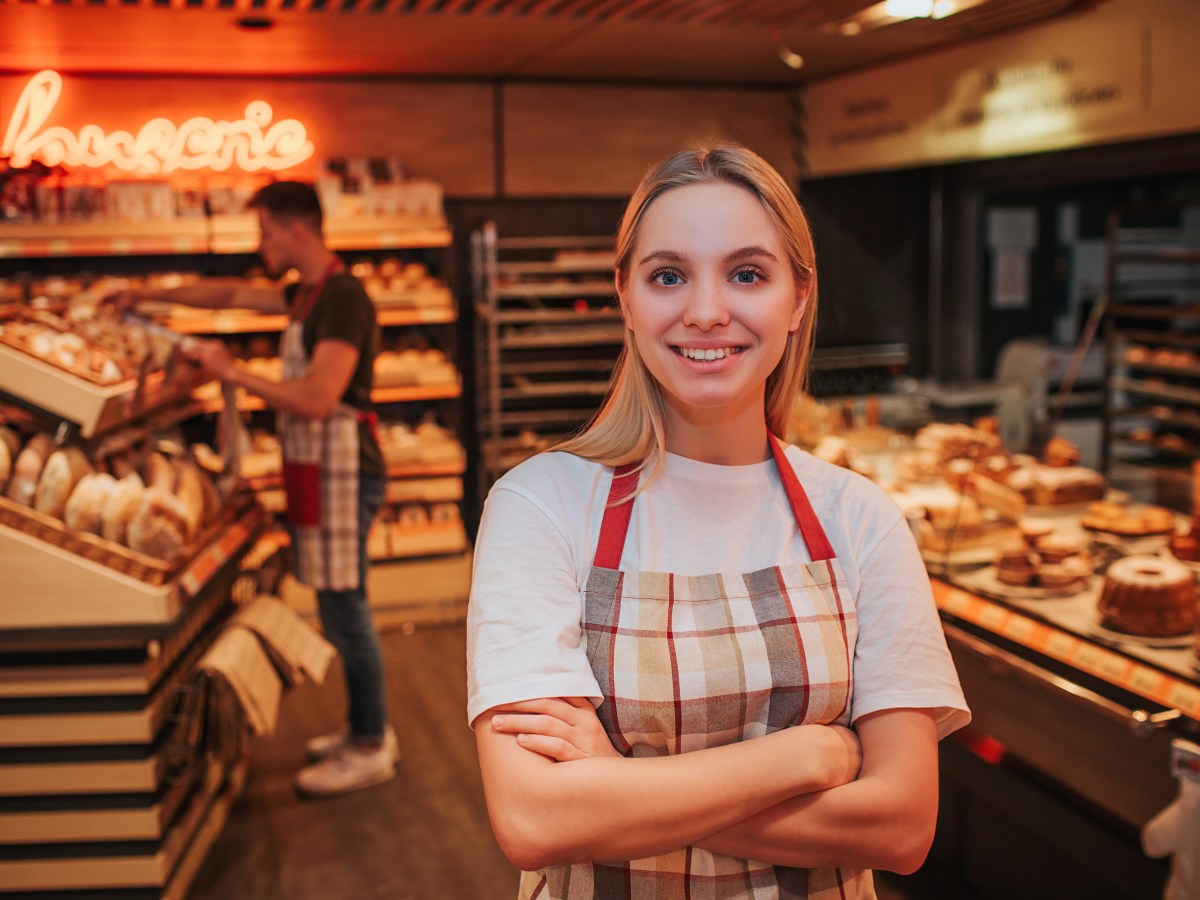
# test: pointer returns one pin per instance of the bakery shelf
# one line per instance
(1162, 255)
(224, 322)
(427, 489)
(573, 337)
(1158, 337)
(239, 234)
(94, 408)
(220, 234)
(557, 316)
(583, 264)
(48, 586)
(403, 394)
(1186, 371)
(1157, 391)
(427, 540)
(46, 239)
(547, 290)
(524, 388)
(1153, 311)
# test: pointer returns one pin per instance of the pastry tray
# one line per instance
(55, 578)
(94, 408)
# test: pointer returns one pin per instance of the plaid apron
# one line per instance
(687, 662)
(320, 472)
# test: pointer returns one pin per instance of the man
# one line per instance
(334, 473)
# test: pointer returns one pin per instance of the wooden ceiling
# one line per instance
(713, 41)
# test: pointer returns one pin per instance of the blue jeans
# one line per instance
(346, 618)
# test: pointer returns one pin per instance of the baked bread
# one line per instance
(189, 489)
(120, 506)
(159, 526)
(10, 447)
(85, 506)
(28, 469)
(63, 471)
(157, 472)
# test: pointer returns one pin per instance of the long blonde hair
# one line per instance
(630, 424)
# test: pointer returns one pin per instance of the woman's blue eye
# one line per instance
(668, 279)
(746, 276)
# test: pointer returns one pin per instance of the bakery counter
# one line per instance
(1068, 754)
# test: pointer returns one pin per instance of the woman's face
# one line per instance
(710, 297)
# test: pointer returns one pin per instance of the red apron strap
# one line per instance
(818, 544)
(303, 305)
(615, 524)
(616, 517)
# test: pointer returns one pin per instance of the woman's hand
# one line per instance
(559, 728)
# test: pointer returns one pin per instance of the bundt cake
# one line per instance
(1148, 596)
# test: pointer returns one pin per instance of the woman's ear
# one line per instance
(802, 296)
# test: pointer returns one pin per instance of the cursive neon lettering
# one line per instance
(160, 146)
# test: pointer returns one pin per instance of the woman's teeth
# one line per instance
(719, 353)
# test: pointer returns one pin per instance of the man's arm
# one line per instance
(217, 293)
(315, 395)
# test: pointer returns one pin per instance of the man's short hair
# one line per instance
(290, 200)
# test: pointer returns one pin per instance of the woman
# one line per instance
(675, 620)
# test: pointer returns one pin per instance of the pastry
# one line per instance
(1150, 596)
(120, 507)
(85, 506)
(27, 469)
(62, 472)
(159, 526)
(157, 472)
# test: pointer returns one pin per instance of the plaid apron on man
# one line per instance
(320, 461)
(688, 662)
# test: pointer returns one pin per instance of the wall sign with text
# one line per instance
(253, 143)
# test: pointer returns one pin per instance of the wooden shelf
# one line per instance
(1161, 392)
(552, 289)
(226, 322)
(405, 394)
(220, 234)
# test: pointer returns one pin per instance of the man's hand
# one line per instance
(561, 729)
(214, 357)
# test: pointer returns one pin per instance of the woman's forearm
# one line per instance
(546, 813)
(866, 824)
(883, 820)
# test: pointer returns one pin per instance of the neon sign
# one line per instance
(160, 146)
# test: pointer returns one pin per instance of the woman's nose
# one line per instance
(706, 307)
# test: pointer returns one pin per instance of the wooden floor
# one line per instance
(421, 836)
(425, 834)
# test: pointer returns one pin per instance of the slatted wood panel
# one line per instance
(749, 13)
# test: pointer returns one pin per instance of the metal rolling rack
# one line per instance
(549, 331)
(1151, 409)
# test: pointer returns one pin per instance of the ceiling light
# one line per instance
(790, 58)
(909, 9)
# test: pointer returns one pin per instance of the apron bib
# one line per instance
(320, 471)
(688, 662)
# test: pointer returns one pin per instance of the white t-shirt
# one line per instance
(537, 541)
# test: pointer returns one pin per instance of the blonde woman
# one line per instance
(702, 663)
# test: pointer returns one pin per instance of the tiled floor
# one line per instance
(422, 836)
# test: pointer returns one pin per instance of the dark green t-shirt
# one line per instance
(344, 312)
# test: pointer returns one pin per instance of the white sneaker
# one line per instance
(327, 744)
(347, 769)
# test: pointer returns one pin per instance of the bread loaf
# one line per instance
(189, 489)
(10, 447)
(63, 471)
(157, 472)
(120, 506)
(85, 506)
(28, 469)
(159, 525)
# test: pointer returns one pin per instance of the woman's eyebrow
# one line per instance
(665, 255)
(734, 256)
(746, 252)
